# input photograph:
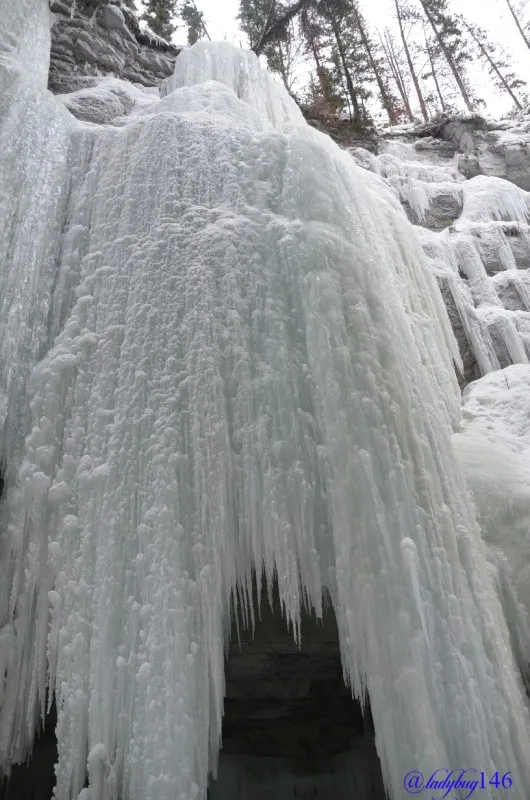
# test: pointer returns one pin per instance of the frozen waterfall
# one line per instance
(221, 351)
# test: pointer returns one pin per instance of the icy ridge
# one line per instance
(246, 365)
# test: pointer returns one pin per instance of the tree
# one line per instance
(395, 66)
(376, 64)
(130, 4)
(159, 15)
(336, 13)
(275, 21)
(193, 19)
(497, 62)
(430, 49)
(256, 17)
(316, 42)
(518, 22)
(406, 49)
(451, 42)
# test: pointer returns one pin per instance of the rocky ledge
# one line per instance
(90, 39)
(499, 148)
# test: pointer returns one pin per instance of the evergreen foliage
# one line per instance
(424, 65)
(497, 63)
(193, 20)
(159, 15)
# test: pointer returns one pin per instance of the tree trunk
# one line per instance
(357, 116)
(276, 30)
(448, 58)
(411, 65)
(388, 105)
(433, 70)
(396, 72)
(492, 64)
(266, 27)
(519, 26)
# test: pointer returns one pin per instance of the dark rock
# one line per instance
(93, 39)
(288, 709)
(471, 369)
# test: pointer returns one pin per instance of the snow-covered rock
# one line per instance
(476, 235)
(497, 148)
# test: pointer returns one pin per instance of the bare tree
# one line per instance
(388, 48)
(434, 72)
(410, 63)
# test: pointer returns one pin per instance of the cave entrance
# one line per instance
(291, 727)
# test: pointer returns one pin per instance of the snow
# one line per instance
(486, 197)
(480, 257)
(108, 100)
(223, 351)
(154, 38)
(494, 446)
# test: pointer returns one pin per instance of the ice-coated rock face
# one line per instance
(497, 149)
(476, 235)
(222, 353)
(494, 446)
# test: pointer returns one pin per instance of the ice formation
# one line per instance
(223, 351)
(493, 443)
(479, 253)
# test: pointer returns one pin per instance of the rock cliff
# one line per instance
(93, 40)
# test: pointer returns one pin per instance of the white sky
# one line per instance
(490, 14)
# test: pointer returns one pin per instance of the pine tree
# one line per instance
(130, 4)
(496, 61)
(316, 42)
(193, 20)
(516, 19)
(451, 42)
(377, 65)
(401, 13)
(257, 18)
(159, 15)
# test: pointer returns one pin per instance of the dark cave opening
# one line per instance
(291, 727)
(35, 780)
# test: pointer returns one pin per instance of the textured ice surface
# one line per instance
(238, 360)
(482, 255)
(107, 100)
(494, 446)
(24, 41)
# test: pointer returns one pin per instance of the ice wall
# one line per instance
(493, 444)
(239, 360)
(476, 235)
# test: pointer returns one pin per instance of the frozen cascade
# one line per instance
(476, 234)
(233, 357)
